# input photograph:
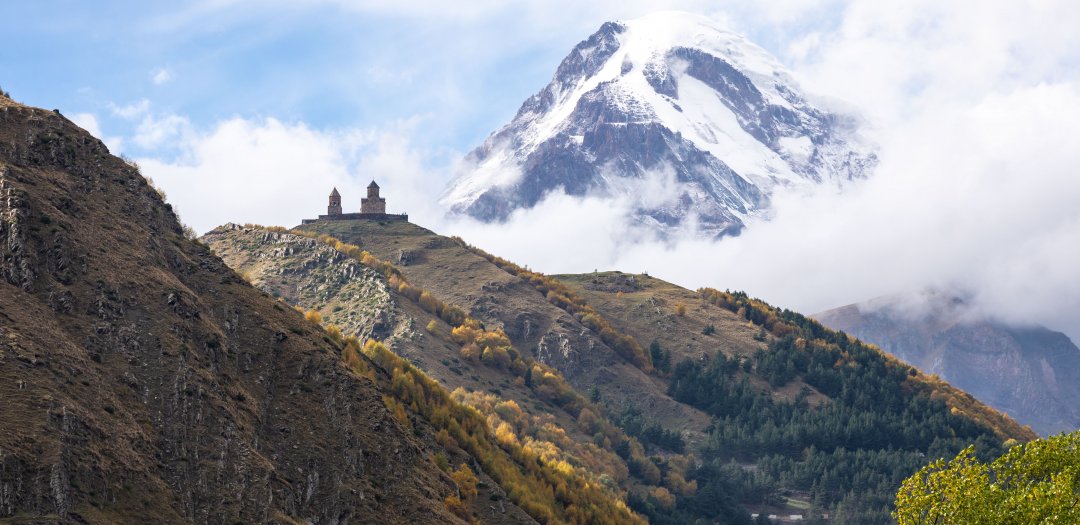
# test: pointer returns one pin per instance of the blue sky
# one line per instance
(325, 64)
(317, 65)
(974, 103)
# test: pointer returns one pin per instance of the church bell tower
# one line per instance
(335, 203)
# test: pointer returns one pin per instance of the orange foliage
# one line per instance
(663, 497)
(445, 440)
(428, 302)
(466, 481)
(550, 492)
(458, 507)
(496, 356)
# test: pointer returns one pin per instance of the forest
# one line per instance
(847, 457)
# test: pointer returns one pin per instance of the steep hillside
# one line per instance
(676, 113)
(1030, 373)
(143, 381)
(759, 422)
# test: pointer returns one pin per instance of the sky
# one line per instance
(248, 111)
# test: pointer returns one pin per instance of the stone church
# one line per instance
(372, 207)
(373, 203)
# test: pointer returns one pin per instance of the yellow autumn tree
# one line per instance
(1038, 482)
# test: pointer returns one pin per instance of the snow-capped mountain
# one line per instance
(669, 97)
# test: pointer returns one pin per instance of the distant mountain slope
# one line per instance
(781, 415)
(670, 94)
(1030, 373)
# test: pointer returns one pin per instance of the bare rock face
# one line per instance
(1029, 372)
(304, 271)
(143, 381)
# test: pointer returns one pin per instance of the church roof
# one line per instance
(373, 185)
(335, 193)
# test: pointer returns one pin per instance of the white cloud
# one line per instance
(89, 122)
(895, 58)
(131, 111)
(159, 130)
(560, 234)
(276, 173)
(155, 130)
(161, 76)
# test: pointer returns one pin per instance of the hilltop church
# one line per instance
(372, 207)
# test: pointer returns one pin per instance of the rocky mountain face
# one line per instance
(143, 381)
(592, 408)
(686, 119)
(1031, 373)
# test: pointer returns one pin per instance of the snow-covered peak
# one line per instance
(656, 33)
(666, 90)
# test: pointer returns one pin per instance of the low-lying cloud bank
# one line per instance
(983, 200)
